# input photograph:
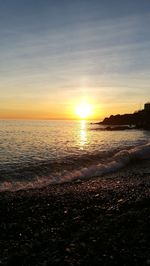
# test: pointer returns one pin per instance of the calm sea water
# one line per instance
(53, 149)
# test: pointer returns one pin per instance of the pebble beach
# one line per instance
(100, 221)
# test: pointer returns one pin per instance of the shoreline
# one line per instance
(100, 221)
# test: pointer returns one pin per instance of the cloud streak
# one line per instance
(55, 47)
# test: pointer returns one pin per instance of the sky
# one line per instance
(55, 54)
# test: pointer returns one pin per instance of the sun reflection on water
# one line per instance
(83, 134)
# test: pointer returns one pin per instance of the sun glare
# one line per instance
(84, 110)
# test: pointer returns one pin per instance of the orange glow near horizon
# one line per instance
(71, 109)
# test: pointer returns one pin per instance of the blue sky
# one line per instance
(55, 53)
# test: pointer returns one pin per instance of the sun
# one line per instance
(84, 110)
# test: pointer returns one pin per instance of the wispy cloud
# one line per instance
(110, 52)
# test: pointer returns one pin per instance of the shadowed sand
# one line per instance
(101, 221)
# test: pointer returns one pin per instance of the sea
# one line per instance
(39, 153)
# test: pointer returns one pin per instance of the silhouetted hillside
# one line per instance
(140, 119)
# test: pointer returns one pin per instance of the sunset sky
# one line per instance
(55, 54)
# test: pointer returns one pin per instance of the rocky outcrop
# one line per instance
(140, 119)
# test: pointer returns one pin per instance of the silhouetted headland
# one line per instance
(139, 119)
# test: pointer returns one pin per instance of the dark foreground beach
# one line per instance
(101, 221)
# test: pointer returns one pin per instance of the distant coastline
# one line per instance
(138, 120)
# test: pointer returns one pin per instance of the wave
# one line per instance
(116, 161)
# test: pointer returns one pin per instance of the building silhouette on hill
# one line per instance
(147, 106)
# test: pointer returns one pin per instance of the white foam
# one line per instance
(118, 161)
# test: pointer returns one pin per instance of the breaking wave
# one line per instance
(96, 166)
